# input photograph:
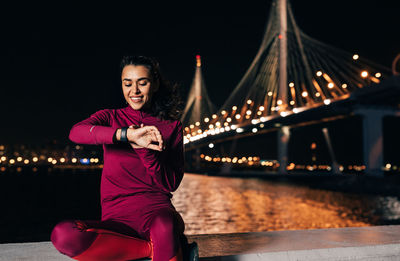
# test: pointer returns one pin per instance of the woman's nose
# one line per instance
(136, 89)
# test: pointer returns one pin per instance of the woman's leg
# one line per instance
(166, 229)
(95, 240)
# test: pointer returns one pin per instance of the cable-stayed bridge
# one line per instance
(294, 80)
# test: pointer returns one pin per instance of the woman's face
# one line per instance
(137, 86)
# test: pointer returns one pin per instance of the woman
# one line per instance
(143, 164)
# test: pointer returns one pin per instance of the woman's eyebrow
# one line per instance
(142, 78)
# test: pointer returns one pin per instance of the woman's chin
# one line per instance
(136, 106)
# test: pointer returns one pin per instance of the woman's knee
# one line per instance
(166, 222)
(71, 240)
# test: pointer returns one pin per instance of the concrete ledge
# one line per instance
(365, 243)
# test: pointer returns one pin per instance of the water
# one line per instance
(228, 205)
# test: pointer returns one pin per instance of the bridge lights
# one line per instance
(327, 101)
(249, 101)
(291, 85)
(206, 119)
(197, 123)
(330, 85)
(284, 113)
(191, 126)
(319, 73)
(259, 113)
(248, 112)
(270, 94)
(234, 108)
(377, 75)
(214, 116)
(211, 126)
(19, 159)
(317, 94)
(344, 86)
(211, 145)
(295, 110)
(279, 102)
(74, 160)
(237, 116)
(364, 74)
(223, 112)
(304, 94)
(356, 56)
(26, 161)
(239, 130)
(261, 108)
(217, 124)
(229, 119)
(254, 130)
(291, 102)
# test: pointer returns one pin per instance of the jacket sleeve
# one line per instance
(94, 130)
(166, 167)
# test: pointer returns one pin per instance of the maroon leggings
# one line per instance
(115, 240)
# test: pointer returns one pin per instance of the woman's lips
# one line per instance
(137, 99)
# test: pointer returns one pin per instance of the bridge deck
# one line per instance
(367, 243)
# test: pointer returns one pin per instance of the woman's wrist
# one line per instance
(118, 134)
(121, 135)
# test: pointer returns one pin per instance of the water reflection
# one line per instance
(228, 205)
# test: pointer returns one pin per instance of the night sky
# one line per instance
(61, 64)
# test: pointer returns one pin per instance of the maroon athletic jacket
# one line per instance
(126, 170)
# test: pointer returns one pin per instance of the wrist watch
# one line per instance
(124, 137)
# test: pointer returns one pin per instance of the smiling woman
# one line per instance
(144, 88)
(143, 164)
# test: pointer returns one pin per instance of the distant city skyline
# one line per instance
(59, 68)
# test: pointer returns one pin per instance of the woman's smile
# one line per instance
(137, 98)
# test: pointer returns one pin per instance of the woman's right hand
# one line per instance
(145, 136)
(134, 145)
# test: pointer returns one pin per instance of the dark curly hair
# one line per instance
(166, 103)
